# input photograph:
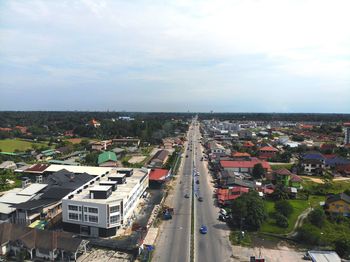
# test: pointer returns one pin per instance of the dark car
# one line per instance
(200, 199)
(197, 182)
(187, 196)
(186, 155)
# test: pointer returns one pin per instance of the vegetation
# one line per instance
(284, 207)
(258, 171)
(8, 180)
(237, 238)
(18, 145)
(317, 217)
(248, 211)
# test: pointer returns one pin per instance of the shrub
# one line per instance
(284, 207)
(281, 220)
(317, 217)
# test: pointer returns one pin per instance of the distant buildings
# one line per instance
(244, 166)
(346, 133)
(338, 204)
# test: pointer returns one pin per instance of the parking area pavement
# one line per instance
(243, 254)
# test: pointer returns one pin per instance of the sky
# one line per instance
(179, 55)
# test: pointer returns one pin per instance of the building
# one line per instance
(159, 159)
(40, 244)
(158, 175)
(323, 256)
(313, 163)
(107, 159)
(36, 172)
(244, 166)
(346, 133)
(101, 145)
(241, 156)
(94, 123)
(338, 204)
(101, 206)
(48, 205)
(226, 196)
(8, 165)
(286, 178)
(267, 152)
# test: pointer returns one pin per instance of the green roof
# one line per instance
(106, 156)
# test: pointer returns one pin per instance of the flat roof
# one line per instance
(324, 256)
(122, 191)
(100, 188)
(108, 182)
(32, 189)
(13, 198)
(91, 170)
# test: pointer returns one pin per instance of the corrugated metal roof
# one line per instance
(13, 198)
(32, 189)
(6, 208)
(107, 156)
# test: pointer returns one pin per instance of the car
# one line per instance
(200, 199)
(197, 182)
(223, 212)
(186, 155)
(203, 229)
(187, 196)
(222, 218)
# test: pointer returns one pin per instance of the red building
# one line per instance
(226, 196)
(267, 152)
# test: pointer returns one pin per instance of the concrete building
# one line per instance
(101, 206)
(346, 133)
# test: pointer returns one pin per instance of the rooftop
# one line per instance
(91, 170)
(107, 156)
(37, 168)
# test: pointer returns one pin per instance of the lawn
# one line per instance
(10, 145)
(281, 166)
(299, 206)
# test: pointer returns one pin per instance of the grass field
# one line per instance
(10, 145)
(269, 226)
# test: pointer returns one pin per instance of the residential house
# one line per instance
(22, 129)
(36, 172)
(94, 123)
(40, 244)
(240, 156)
(313, 163)
(69, 133)
(267, 152)
(101, 145)
(286, 178)
(245, 134)
(157, 176)
(119, 151)
(8, 165)
(227, 195)
(338, 204)
(107, 159)
(244, 166)
(248, 144)
(159, 159)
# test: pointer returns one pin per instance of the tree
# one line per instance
(342, 246)
(91, 158)
(281, 220)
(309, 234)
(347, 191)
(248, 210)
(284, 207)
(317, 217)
(280, 192)
(258, 171)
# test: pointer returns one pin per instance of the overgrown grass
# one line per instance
(11, 145)
(281, 166)
(269, 226)
(236, 238)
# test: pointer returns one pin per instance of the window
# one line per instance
(114, 209)
(93, 210)
(73, 216)
(115, 219)
(73, 208)
(85, 209)
(93, 219)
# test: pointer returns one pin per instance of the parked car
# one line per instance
(203, 229)
(222, 218)
(200, 199)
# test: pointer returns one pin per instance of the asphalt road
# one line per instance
(215, 245)
(173, 243)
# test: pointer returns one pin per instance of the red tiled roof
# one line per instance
(37, 168)
(240, 154)
(329, 156)
(248, 144)
(268, 148)
(296, 178)
(244, 163)
(346, 124)
(231, 193)
(5, 129)
(283, 172)
(158, 174)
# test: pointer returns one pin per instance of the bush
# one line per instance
(281, 220)
(342, 247)
(309, 234)
(317, 217)
(284, 207)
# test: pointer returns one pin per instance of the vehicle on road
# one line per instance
(200, 199)
(202, 159)
(197, 182)
(187, 196)
(203, 229)
(223, 212)
(186, 155)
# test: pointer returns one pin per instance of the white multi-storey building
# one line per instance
(347, 133)
(104, 204)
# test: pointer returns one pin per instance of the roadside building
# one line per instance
(285, 177)
(227, 195)
(157, 176)
(107, 159)
(244, 166)
(40, 244)
(101, 206)
(338, 204)
(159, 159)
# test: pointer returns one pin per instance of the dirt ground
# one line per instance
(319, 181)
(136, 159)
(101, 255)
